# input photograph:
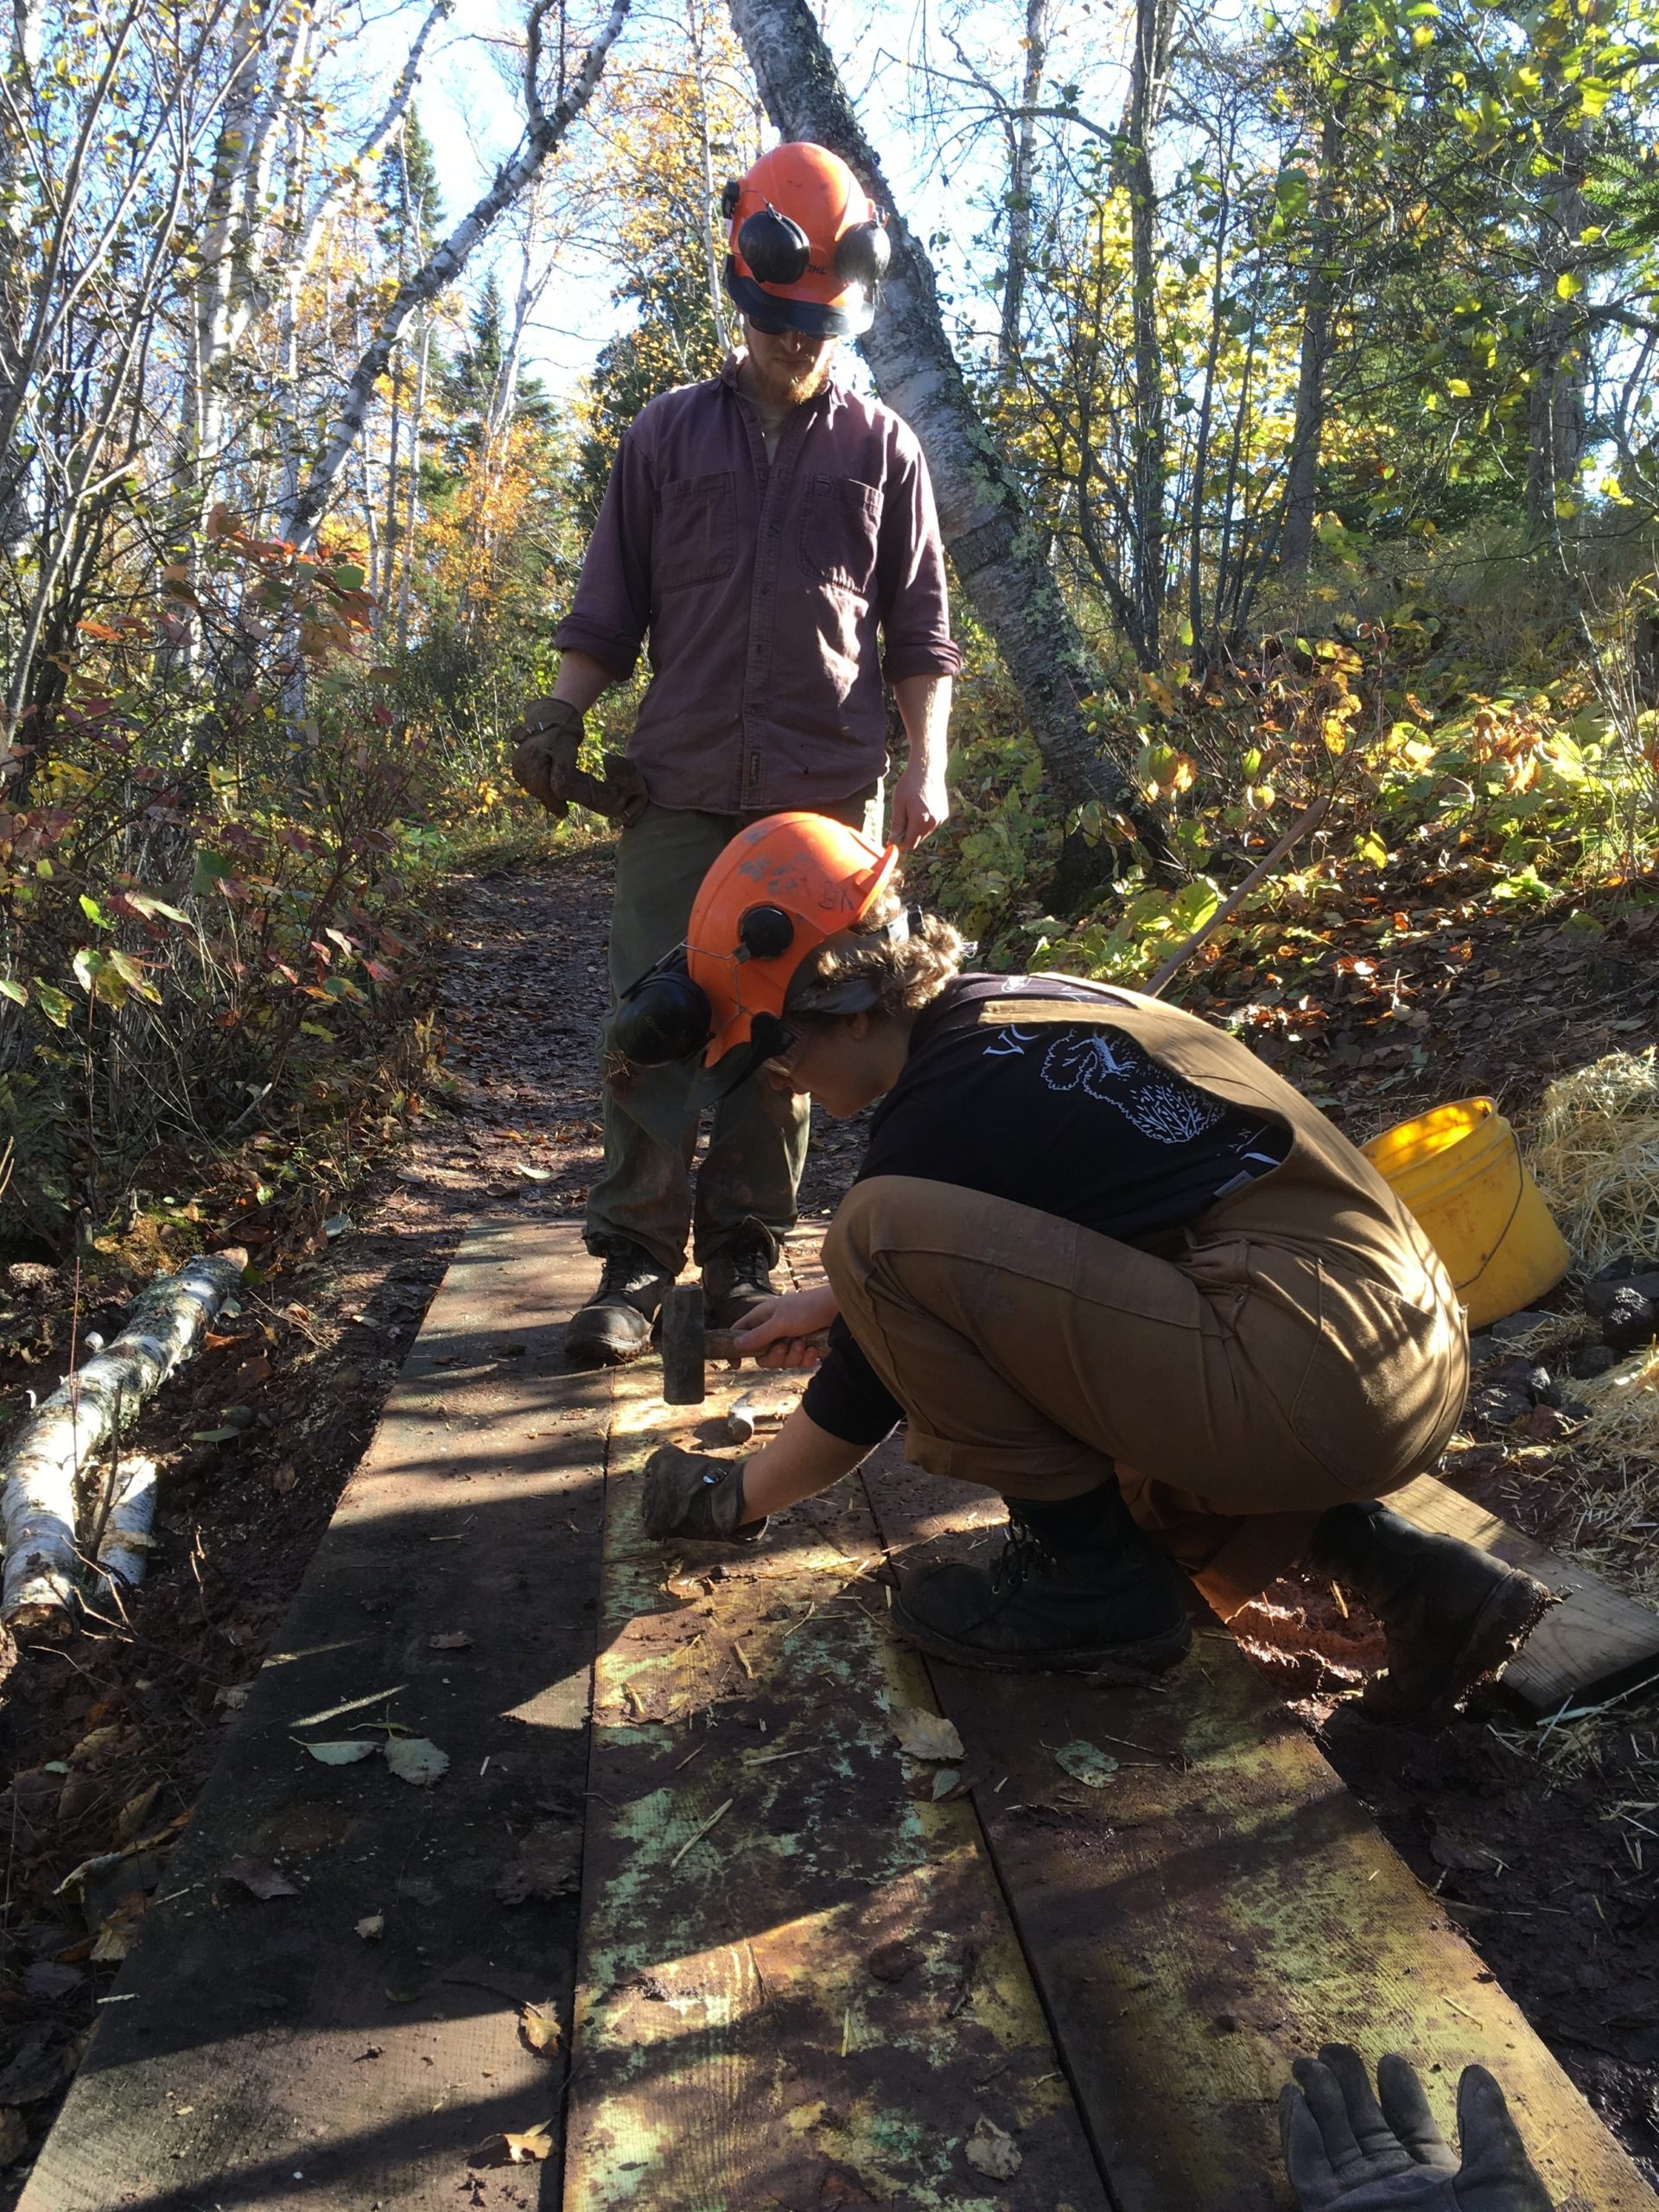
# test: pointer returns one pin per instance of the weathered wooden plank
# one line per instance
(755, 1838)
(1594, 1644)
(1222, 1904)
(263, 2053)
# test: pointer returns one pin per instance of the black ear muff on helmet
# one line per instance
(765, 933)
(663, 1017)
(731, 193)
(863, 255)
(775, 247)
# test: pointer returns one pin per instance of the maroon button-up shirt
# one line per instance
(761, 589)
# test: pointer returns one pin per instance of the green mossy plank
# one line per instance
(262, 2053)
(1221, 1904)
(734, 2048)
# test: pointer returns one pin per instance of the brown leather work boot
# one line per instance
(614, 1325)
(737, 1276)
(694, 1494)
(1452, 1613)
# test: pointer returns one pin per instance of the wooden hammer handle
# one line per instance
(717, 1343)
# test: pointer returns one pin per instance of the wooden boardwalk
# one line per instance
(769, 1968)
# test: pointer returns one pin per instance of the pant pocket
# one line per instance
(1383, 1380)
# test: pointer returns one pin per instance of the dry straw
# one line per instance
(1594, 1153)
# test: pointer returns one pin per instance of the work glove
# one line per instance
(549, 738)
(1346, 2153)
(544, 762)
(694, 1494)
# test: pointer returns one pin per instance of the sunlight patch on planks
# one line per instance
(1222, 1904)
(755, 1840)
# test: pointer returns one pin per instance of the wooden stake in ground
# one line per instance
(37, 1511)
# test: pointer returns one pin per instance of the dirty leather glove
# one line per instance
(626, 788)
(1345, 2152)
(694, 1494)
(545, 760)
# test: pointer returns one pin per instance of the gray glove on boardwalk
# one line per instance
(1346, 2152)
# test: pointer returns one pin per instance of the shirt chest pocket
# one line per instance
(695, 536)
(841, 523)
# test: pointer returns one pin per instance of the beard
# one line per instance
(782, 385)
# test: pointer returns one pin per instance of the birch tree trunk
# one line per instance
(1308, 433)
(990, 536)
(1154, 22)
(1022, 179)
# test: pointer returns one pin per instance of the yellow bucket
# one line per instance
(1460, 1170)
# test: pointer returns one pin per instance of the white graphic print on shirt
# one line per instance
(1163, 1106)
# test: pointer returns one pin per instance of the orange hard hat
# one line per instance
(784, 886)
(808, 247)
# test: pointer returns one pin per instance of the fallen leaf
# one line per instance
(114, 1935)
(372, 1927)
(14, 2136)
(417, 1759)
(991, 2150)
(532, 1174)
(1086, 1764)
(135, 1812)
(262, 1878)
(945, 1779)
(535, 2143)
(456, 1640)
(234, 1698)
(926, 1735)
(345, 1753)
(36, 2072)
(893, 1962)
(337, 1224)
(284, 1478)
(541, 2025)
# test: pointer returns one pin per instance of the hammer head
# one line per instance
(682, 1336)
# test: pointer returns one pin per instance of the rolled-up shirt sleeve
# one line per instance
(611, 612)
(912, 597)
(846, 1397)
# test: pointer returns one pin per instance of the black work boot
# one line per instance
(1077, 1587)
(693, 1494)
(737, 1276)
(614, 1326)
(1452, 1613)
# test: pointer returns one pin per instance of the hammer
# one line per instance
(688, 1342)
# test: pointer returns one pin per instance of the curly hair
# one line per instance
(878, 966)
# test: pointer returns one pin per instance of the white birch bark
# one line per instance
(37, 1509)
(547, 127)
(981, 511)
(123, 1546)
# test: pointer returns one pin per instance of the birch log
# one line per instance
(124, 1543)
(37, 1511)
(982, 509)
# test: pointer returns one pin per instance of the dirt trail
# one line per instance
(107, 1737)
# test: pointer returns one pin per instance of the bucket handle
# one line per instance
(1487, 1257)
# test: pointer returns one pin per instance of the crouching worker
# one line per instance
(1099, 1259)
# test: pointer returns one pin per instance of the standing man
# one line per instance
(771, 537)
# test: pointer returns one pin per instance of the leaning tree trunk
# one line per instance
(548, 129)
(983, 513)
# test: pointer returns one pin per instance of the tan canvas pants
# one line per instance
(1239, 1389)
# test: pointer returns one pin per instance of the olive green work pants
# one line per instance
(746, 1180)
(1236, 1397)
